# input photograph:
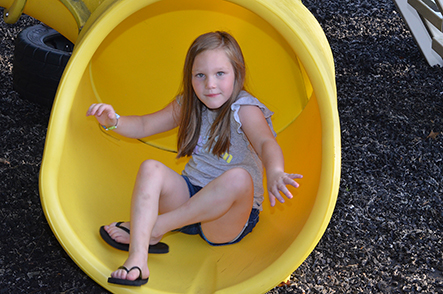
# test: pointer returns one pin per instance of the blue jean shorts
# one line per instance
(195, 229)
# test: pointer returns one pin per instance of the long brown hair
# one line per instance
(191, 106)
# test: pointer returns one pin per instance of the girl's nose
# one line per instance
(210, 83)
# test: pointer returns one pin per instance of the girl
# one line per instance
(228, 136)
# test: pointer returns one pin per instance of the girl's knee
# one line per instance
(150, 166)
(240, 180)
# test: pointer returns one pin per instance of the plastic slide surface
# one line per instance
(130, 54)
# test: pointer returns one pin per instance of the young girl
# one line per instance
(228, 136)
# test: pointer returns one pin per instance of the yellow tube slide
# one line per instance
(130, 54)
(52, 12)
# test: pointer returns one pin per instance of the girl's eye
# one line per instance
(199, 75)
(220, 73)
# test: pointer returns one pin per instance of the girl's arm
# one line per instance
(137, 126)
(259, 134)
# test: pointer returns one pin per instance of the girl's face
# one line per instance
(213, 78)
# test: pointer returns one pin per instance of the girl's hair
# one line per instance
(191, 106)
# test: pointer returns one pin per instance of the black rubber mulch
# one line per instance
(385, 235)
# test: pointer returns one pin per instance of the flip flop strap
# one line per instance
(132, 268)
(118, 225)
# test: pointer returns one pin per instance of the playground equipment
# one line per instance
(130, 54)
(424, 19)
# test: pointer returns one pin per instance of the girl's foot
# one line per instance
(137, 282)
(131, 262)
(116, 232)
(155, 239)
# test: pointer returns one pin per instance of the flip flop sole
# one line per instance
(137, 283)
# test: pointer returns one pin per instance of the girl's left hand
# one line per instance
(277, 182)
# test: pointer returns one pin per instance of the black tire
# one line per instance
(40, 57)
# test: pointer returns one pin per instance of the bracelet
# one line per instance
(113, 127)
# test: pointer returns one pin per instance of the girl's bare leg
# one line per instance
(222, 207)
(154, 180)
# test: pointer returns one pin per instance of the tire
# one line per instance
(40, 57)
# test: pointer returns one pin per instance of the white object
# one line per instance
(418, 15)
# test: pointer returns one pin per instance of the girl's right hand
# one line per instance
(104, 113)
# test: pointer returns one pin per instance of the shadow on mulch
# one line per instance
(386, 232)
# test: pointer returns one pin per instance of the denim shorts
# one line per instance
(195, 229)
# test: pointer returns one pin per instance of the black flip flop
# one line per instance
(159, 248)
(137, 282)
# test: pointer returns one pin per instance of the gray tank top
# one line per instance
(204, 166)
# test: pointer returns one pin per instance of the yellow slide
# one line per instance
(130, 54)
